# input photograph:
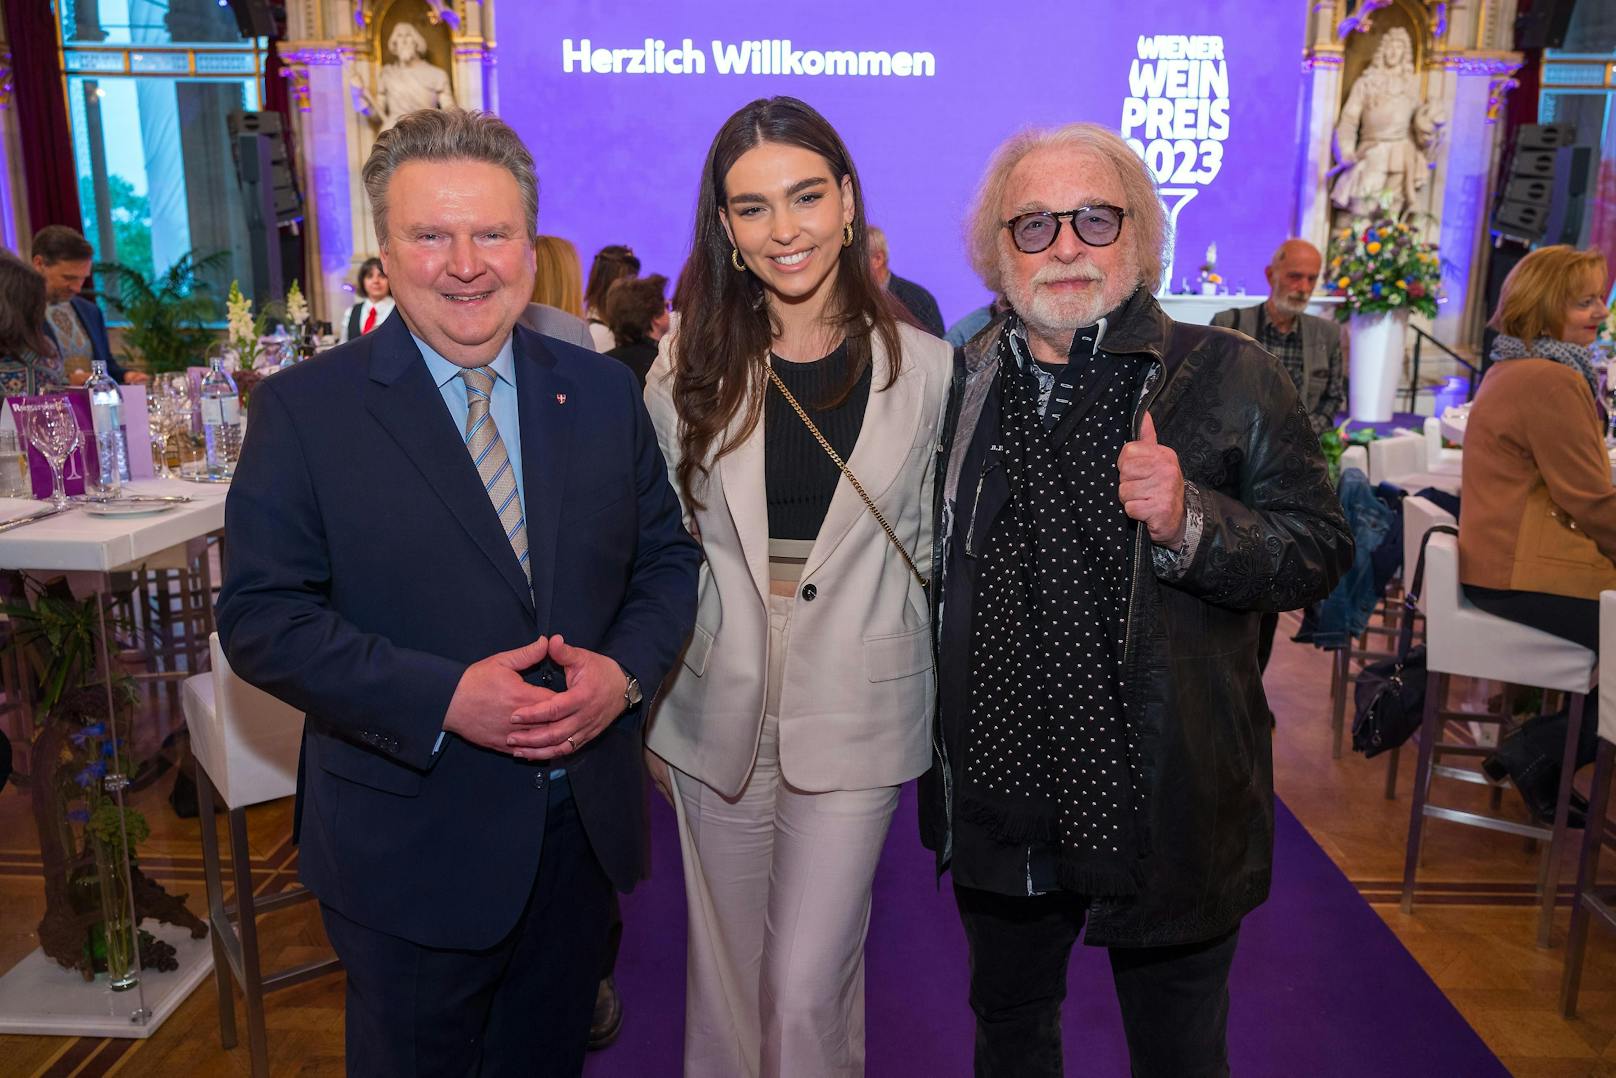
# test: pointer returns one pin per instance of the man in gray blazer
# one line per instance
(1307, 346)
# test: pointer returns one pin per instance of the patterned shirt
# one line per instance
(1056, 391)
(72, 339)
(1285, 347)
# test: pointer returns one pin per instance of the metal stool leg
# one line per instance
(1549, 874)
(1436, 686)
(1587, 879)
(216, 916)
(252, 987)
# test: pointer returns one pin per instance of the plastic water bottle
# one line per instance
(221, 418)
(111, 448)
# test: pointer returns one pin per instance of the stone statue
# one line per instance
(409, 83)
(1384, 134)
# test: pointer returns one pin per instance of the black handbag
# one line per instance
(1388, 696)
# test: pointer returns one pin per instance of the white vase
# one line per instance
(1377, 343)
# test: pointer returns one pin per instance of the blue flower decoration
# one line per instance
(1376, 288)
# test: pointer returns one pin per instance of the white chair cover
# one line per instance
(245, 739)
(1460, 639)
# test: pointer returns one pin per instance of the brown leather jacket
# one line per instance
(1539, 507)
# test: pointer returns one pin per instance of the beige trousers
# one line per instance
(778, 886)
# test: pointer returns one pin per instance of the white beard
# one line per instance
(1287, 306)
(1053, 316)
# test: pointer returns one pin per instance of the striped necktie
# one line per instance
(487, 451)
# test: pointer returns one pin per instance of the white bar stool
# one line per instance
(1348, 661)
(1420, 515)
(1587, 900)
(246, 745)
(1461, 640)
(1355, 456)
(1439, 460)
(1402, 459)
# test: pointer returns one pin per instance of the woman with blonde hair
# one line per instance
(559, 281)
(806, 693)
(1537, 537)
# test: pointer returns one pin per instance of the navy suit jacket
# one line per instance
(367, 568)
(95, 324)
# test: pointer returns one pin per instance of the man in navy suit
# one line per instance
(454, 545)
(76, 325)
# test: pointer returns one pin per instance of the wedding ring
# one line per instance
(572, 744)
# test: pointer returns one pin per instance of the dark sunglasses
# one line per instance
(1097, 225)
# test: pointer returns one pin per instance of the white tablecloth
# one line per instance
(75, 540)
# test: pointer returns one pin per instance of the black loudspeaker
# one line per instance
(259, 18)
(266, 127)
(1545, 26)
(1576, 174)
(269, 193)
(1528, 191)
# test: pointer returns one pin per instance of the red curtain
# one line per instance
(41, 106)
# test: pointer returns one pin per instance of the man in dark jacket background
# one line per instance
(1120, 496)
(921, 304)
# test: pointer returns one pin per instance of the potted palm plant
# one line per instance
(167, 315)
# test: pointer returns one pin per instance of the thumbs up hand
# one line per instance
(1152, 486)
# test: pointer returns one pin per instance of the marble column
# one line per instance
(334, 216)
(1462, 189)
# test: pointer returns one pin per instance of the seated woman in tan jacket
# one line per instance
(1537, 535)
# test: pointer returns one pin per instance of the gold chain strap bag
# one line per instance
(851, 478)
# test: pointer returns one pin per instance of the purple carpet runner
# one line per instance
(1321, 986)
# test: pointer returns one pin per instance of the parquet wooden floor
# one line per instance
(1473, 928)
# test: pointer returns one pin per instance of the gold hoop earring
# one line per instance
(847, 234)
(735, 259)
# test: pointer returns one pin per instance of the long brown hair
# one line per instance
(725, 326)
(22, 308)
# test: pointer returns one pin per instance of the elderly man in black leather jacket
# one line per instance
(1120, 496)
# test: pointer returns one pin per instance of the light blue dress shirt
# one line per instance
(502, 409)
(502, 406)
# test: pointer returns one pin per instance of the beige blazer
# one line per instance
(858, 685)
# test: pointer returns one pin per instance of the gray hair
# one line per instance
(1147, 217)
(449, 135)
(876, 238)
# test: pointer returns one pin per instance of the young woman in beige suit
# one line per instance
(805, 695)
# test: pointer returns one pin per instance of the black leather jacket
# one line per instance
(1272, 538)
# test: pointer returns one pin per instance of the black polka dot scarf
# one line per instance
(1047, 757)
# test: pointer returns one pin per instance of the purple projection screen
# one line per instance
(619, 102)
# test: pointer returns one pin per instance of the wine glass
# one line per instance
(54, 431)
(177, 388)
(163, 413)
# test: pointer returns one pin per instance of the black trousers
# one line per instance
(1175, 1000)
(1576, 620)
(1266, 629)
(522, 1007)
(1534, 755)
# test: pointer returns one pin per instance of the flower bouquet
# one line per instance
(1383, 265)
